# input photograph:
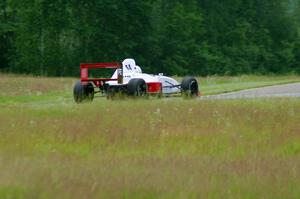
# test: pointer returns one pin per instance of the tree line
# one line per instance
(177, 37)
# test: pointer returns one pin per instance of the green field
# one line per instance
(51, 147)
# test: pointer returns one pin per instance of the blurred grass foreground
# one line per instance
(53, 148)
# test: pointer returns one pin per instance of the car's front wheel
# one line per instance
(189, 87)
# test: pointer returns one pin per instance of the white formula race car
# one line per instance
(128, 79)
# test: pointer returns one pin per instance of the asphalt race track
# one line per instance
(286, 90)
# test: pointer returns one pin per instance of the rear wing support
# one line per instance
(84, 72)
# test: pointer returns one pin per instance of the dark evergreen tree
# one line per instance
(177, 37)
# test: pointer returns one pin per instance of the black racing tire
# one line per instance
(78, 92)
(189, 87)
(83, 93)
(90, 92)
(137, 88)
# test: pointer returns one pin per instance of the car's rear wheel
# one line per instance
(137, 88)
(189, 87)
(83, 93)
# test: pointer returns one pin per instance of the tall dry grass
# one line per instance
(17, 85)
(151, 149)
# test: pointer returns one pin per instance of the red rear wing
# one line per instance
(84, 71)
